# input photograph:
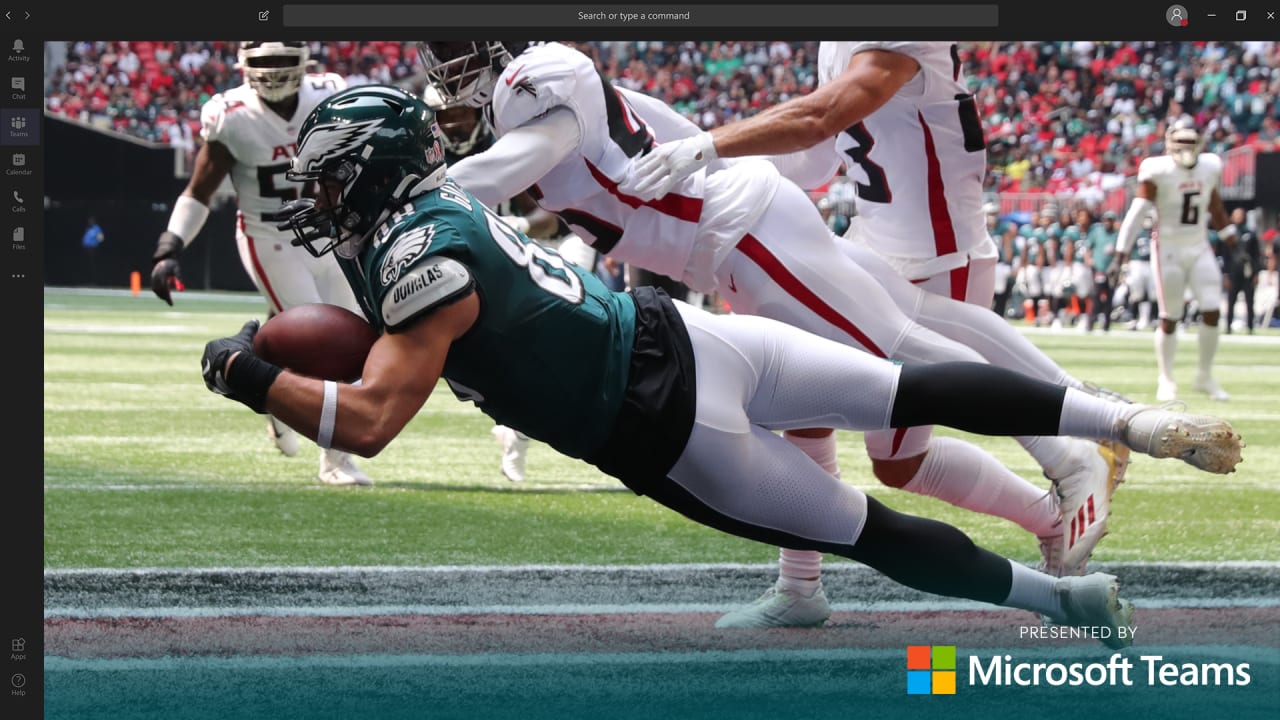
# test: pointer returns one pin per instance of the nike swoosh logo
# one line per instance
(514, 76)
(204, 369)
(732, 287)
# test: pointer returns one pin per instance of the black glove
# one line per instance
(165, 274)
(250, 377)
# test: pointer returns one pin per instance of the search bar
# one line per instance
(621, 16)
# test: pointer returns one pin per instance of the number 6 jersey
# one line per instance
(262, 144)
(1182, 198)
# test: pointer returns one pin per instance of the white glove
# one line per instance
(654, 174)
(518, 223)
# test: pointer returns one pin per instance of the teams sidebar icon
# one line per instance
(931, 670)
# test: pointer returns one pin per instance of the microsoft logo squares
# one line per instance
(931, 670)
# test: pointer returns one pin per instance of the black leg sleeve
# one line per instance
(930, 556)
(977, 398)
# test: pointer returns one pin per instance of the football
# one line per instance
(318, 340)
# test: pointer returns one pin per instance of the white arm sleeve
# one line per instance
(809, 168)
(519, 158)
(1132, 221)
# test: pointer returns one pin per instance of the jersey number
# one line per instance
(877, 187)
(548, 270)
(1190, 208)
(267, 188)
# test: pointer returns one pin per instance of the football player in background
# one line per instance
(679, 404)
(900, 118)
(250, 132)
(756, 239)
(1181, 187)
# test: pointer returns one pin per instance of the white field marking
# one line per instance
(343, 611)
(489, 486)
(1145, 337)
(645, 568)
(1261, 656)
(232, 297)
(103, 329)
(1241, 480)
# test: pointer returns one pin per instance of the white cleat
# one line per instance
(1207, 442)
(1051, 555)
(337, 468)
(515, 448)
(283, 436)
(1094, 601)
(1206, 384)
(1166, 390)
(779, 607)
(1084, 499)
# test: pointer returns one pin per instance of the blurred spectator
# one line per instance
(1241, 268)
(1070, 120)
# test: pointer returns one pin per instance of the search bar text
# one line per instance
(621, 16)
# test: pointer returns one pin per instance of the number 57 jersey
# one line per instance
(262, 143)
(560, 388)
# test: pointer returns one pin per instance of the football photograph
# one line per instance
(661, 379)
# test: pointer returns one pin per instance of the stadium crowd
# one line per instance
(1066, 121)
(154, 90)
(1057, 114)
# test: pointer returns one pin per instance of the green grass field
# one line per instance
(146, 468)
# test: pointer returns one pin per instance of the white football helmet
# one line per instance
(274, 69)
(1184, 142)
(465, 72)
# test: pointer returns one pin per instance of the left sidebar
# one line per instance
(21, 287)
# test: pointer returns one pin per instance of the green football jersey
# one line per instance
(550, 352)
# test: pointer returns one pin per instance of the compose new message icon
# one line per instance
(931, 670)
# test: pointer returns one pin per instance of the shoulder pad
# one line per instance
(1150, 167)
(411, 281)
(211, 117)
(541, 78)
(432, 283)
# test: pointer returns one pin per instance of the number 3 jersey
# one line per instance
(684, 235)
(918, 161)
(534, 358)
(262, 144)
(1182, 198)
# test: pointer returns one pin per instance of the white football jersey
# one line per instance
(918, 161)
(1182, 198)
(262, 144)
(684, 234)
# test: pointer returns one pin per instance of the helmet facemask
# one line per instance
(461, 128)
(330, 223)
(464, 73)
(1184, 142)
(274, 69)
